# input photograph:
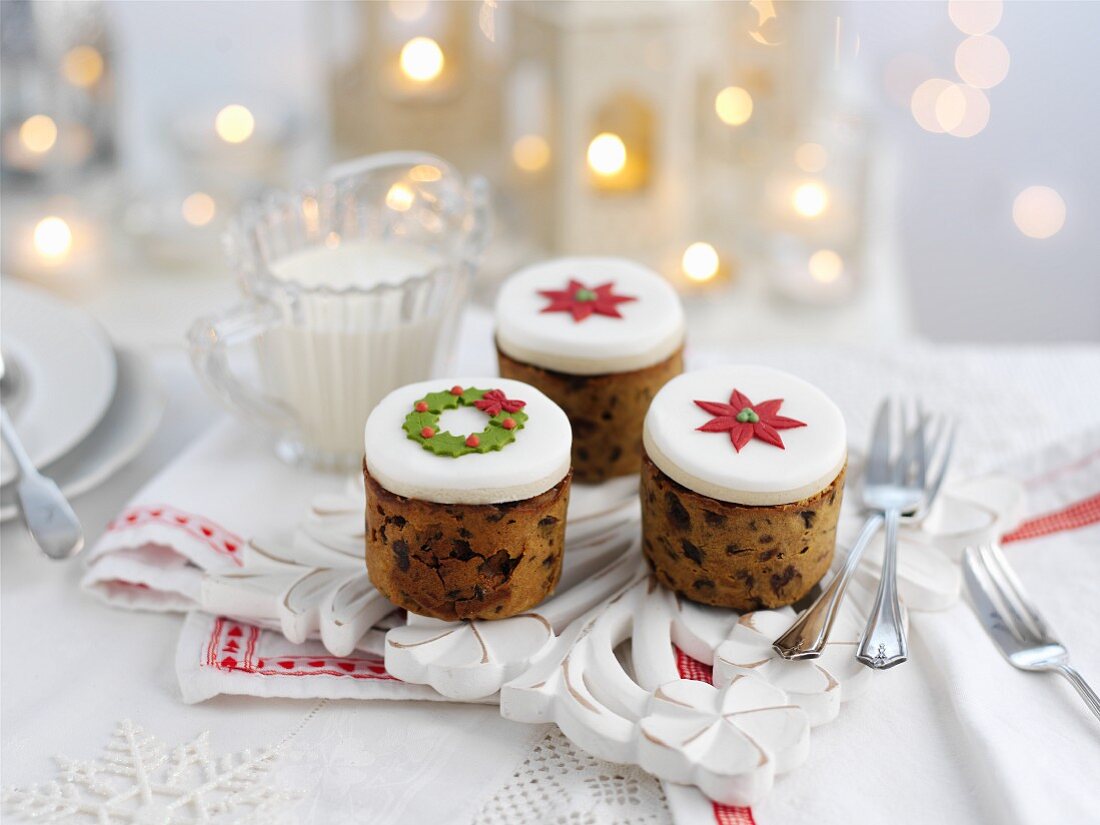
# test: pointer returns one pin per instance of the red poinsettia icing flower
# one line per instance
(494, 401)
(744, 420)
(582, 301)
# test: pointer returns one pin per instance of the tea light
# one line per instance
(422, 60)
(810, 199)
(234, 123)
(53, 239)
(810, 275)
(700, 262)
(51, 242)
(38, 134)
(607, 154)
(82, 66)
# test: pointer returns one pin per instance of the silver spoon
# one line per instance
(48, 516)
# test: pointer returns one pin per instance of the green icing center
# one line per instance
(584, 295)
(748, 416)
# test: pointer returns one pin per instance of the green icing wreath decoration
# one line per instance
(506, 416)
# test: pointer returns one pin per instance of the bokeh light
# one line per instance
(982, 61)
(950, 107)
(1039, 212)
(422, 59)
(531, 153)
(425, 173)
(974, 115)
(38, 134)
(234, 123)
(825, 266)
(811, 157)
(82, 66)
(400, 197)
(733, 105)
(975, 17)
(52, 238)
(408, 10)
(311, 213)
(700, 262)
(198, 209)
(607, 154)
(810, 199)
(924, 102)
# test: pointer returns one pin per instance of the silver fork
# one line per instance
(806, 637)
(1012, 621)
(893, 490)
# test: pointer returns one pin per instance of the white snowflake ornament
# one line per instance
(140, 781)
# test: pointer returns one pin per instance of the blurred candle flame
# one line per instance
(38, 134)
(733, 105)
(975, 16)
(607, 154)
(53, 239)
(82, 66)
(234, 123)
(422, 59)
(810, 199)
(531, 153)
(982, 61)
(400, 197)
(1039, 212)
(700, 262)
(198, 209)
(825, 266)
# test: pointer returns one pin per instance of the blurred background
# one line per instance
(845, 172)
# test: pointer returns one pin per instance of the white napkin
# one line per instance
(957, 735)
(197, 515)
(217, 655)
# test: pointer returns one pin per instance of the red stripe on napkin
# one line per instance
(214, 536)
(1081, 514)
(728, 815)
(690, 668)
(232, 647)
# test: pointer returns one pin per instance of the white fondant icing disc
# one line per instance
(761, 473)
(534, 462)
(650, 330)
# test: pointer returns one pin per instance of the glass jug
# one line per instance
(350, 291)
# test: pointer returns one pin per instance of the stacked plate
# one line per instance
(82, 408)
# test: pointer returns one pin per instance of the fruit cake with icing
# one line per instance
(600, 336)
(741, 486)
(467, 484)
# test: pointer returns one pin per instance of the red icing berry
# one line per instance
(472, 441)
(456, 390)
(427, 432)
(421, 406)
(508, 423)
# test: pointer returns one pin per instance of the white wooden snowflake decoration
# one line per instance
(142, 781)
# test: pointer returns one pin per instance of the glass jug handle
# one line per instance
(211, 339)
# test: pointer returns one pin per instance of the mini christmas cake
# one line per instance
(600, 336)
(741, 486)
(467, 484)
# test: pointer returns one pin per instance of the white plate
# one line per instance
(66, 368)
(129, 423)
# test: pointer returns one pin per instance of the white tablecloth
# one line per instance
(72, 668)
